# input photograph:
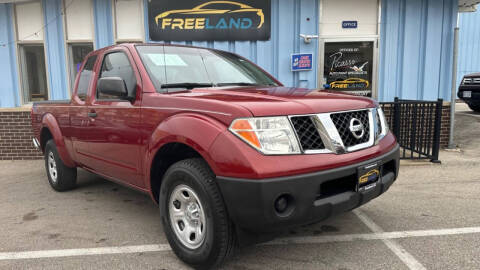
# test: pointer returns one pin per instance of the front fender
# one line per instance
(196, 131)
(49, 121)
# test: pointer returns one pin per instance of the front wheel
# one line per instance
(194, 216)
(475, 107)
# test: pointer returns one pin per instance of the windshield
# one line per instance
(179, 68)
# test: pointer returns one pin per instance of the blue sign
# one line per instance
(350, 24)
(302, 61)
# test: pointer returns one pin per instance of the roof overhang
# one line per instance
(12, 1)
(463, 5)
(467, 5)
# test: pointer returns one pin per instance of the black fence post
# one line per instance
(396, 118)
(437, 130)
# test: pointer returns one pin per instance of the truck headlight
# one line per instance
(269, 135)
(381, 125)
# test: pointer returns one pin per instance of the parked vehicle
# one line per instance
(228, 153)
(469, 91)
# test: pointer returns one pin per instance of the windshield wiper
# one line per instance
(186, 85)
(237, 83)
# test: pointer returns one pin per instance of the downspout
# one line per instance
(451, 143)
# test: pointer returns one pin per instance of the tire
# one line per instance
(215, 240)
(60, 177)
(474, 106)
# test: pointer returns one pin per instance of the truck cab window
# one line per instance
(117, 65)
(85, 77)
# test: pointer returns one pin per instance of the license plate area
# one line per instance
(467, 94)
(368, 176)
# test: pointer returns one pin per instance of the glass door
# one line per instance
(349, 65)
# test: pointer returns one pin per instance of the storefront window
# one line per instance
(78, 52)
(128, 21)
(34, 77)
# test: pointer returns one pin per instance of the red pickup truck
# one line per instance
(228, 153)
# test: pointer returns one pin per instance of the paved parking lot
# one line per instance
(429, 219)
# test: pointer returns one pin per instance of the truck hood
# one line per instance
(271, 101)
(473, 75)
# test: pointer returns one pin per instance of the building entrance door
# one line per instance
(348, 46)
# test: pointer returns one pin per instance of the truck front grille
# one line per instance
(307, 133)
(342, 123)
(378, 125)
(471, 80)
(334, 128)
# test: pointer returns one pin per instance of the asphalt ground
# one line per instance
(429, 219)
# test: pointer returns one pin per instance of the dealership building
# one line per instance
(378, 48)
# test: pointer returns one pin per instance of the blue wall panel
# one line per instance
(390, 58)
(468, 45)
(416, 51)
(431, 52)
(102, 13)
(55, 48)
(9, 95)
(446, 65)
(289, 19)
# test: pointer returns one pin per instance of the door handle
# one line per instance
(92, 114)
(308, 38)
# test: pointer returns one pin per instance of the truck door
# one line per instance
(114, 145)
(79, 121)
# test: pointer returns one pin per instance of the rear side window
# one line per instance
(85, 77)
(117, 65)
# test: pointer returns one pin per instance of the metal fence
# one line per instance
(417, 126)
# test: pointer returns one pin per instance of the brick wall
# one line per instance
(444, 134)
(16, 135)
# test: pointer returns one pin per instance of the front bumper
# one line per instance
(250, 203)
(475, 93)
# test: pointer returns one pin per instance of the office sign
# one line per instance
(350, 24)
(302, 61)
(183, 20)
(348, 66)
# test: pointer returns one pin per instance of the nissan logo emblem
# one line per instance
(356, 128)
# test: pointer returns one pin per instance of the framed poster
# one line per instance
(348, 66)
(209, 20)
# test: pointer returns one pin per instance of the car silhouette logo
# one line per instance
(212, 8)
(351, 82)
(371, 176)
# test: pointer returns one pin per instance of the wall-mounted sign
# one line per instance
(350, 24)
(302, 61)
(348, 66)
(209, 20)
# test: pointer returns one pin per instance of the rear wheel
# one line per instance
(194, 216)
(474, 106)
(60, 177)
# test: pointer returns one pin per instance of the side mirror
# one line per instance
(113, 86)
